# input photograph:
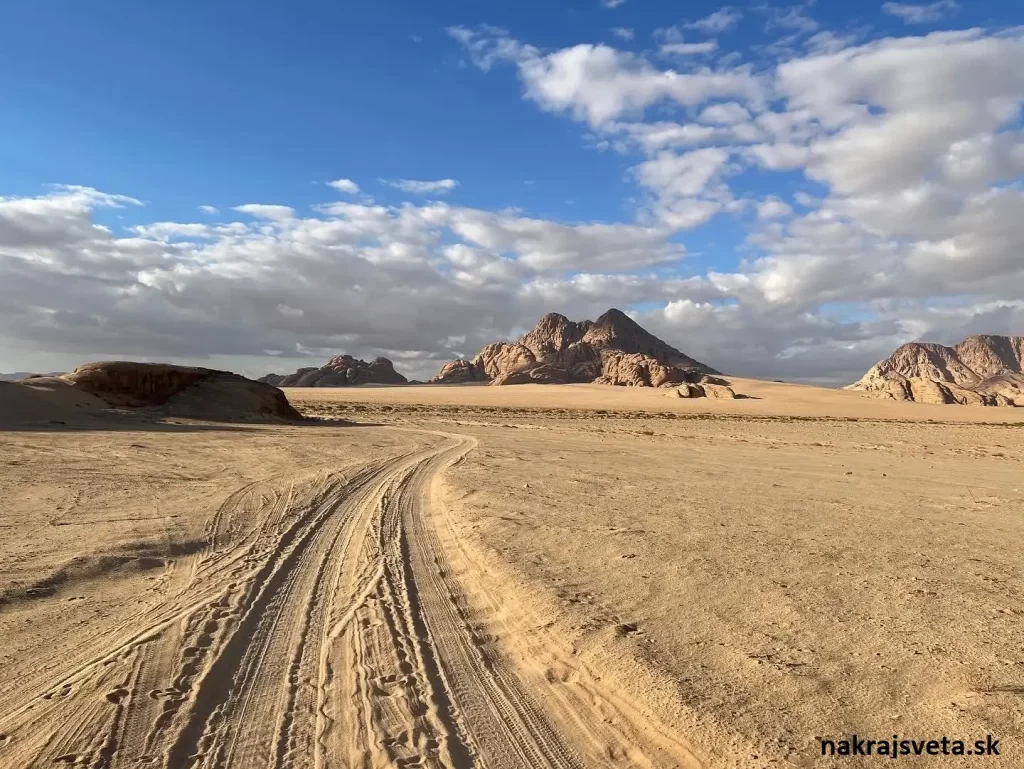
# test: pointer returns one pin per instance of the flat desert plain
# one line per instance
(515, 577)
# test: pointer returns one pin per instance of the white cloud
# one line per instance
(623, 33)
(773, 208)
(687, 187)
(921, 14)
(720, 21)
(487, 45)
(347, 186)
(361, 278)
(263, 211)
(727, 113)
(415, 187)
(612, 3)
(793, 18)
(782, 156)
(598, 84)
(167, 231)
(688, 49)
(209, 210)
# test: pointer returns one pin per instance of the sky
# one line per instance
(785, 191)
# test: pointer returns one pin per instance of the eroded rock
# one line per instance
(614, 350)
(181, 390)
(983, 370)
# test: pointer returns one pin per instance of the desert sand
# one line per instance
(532, 576)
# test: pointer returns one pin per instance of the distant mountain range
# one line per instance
(982, 370)
(341, 371)
(614, 350)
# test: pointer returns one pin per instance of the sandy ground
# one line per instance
(527, 577)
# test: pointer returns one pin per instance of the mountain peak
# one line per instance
(614, 318)
(615, 349)
(983, 369)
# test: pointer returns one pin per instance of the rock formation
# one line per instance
(342, 371)
(180, 390)
(707, 387)
(458, 372)
(982, 370)
(614, 350)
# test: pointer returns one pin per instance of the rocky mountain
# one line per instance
(982, 370)
(176, 390)
(614, 350)
(341, 371)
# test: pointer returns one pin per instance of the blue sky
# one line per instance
(223, 104)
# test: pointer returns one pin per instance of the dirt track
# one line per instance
(321, 620)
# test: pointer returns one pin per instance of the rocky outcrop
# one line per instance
(614, 350)
(459, 372)
(704, 390)
(341, 371)
(982, 370)
(180, 390)
(542, 374)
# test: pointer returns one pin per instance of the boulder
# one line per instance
(707, 390)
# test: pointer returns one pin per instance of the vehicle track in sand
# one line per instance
(324, 625)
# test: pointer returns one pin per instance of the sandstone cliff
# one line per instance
(341, 371)
(982, 370)
(614, 350)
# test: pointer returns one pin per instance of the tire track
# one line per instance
(323, 625)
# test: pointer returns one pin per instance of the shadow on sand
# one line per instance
(122, 422)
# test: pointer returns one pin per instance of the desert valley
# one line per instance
(517, 565)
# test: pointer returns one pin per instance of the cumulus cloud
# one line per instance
(415, 187)
(921, 14)
(209, 210)
(623, 33)
(362, 278)
(727, 113)
(598, 83)
(612, 3)
(262, 211)
(773, 207)
(347, 186)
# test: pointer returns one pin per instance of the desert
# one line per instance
(571, 575)
(593, 384)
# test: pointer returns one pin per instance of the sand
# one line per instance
(574, 576)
